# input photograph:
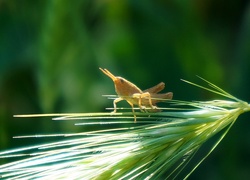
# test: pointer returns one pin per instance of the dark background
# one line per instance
(50, 52)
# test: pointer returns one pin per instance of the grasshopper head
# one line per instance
(122, 86)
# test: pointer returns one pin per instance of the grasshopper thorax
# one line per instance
(125, 88)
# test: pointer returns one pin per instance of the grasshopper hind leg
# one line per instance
(143, 96)
(148, 95)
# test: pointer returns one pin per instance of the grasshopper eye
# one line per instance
(121, 80)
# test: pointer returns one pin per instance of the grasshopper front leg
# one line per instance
(114, 103)
(120, 99)
(132, 106)
(138, 96)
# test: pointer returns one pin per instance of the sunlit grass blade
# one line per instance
(158, 146)
(215, 89)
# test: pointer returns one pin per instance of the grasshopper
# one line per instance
(135, 96)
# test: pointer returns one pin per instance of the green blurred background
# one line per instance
(50, 52)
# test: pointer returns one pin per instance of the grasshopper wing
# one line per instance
(155, 89)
